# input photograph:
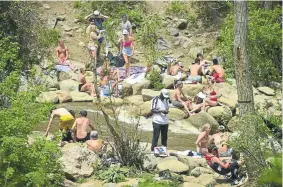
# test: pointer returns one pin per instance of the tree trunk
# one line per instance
(243, 80)
(268, 5)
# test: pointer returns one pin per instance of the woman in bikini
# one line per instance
(83, 85)
(93, 40)
(62, 54)
(202, 140)
(127, 49)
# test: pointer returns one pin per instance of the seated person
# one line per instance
(204, 63)
(199, 98)
(83, 85)
(94, 144)
(62, 54)
(81, 126)
(195, 72)
(110, 79)
(217, 73)
(175, 69)
(201, 143)
(219, 166)
(179, 101)
(66, 118)
(220, 139)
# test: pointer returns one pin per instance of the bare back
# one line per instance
(60, 112)
(218, 69)
(195, 70)
(94, 145)
(174, 70)
(62, 51)
(82, 79)
(220, 140)
(176, 95)
(82, 125)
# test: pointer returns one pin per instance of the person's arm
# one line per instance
(103, 16)
(130, 27)
(133, 47)
(121, 45)
(92, 127)
(67, 53)
(211, 139)
(74, 126)
(87, 17)
(49, 124)
(57, 53)
(223, 165)
(168, 69)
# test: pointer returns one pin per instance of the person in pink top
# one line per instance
(127, 49)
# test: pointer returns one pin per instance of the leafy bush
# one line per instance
(264, 43)
(148, 181)
(111, 174)
(181, 9)
(155, 80)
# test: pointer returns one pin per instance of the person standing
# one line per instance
(127, 49)
(160, 110)
(125, 25)
(97, 18)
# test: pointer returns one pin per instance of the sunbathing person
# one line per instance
(217, 73)
(202, 140)
(110, 79)
(94, 144)
(204, 63)
(220, 139)
(85, 86)
(62, 54)
(80, 127)
(179, 101)
(175, 69)
(195, 72)
(212, 159)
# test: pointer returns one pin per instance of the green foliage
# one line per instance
(253, 141)
(111, 174)
(49, 37)
(181, 9)
(155, 80)
(264, 43)
(148, 181)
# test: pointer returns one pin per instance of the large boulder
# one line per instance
(69, 85)
(266, 90)
(260, 101)
(205, 179)
(192, 162)
(222, 114)
(148, 94)
(183, 126)
(229, 94)
(197, 171)
(173, 166)
(110, 101)
(127, 89)
(143, 84)
(192, 89)
(47, 97)
(232, 124)
(199, 119)
(194, 51)
(63, 96)
(134, 99)
(168, 80)
(176, 114)
(51, 81)
(80, 96)
(181, 23)
(77, 161)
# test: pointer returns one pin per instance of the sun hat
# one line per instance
(165, 93)
(125, 32)
(93, 135)
(96, 13)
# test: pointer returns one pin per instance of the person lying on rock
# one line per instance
(175, 69)
(95, 144)
(202, 140)
(195, 72)
(198, 100)
(66, 118)
(205, 64)
(85, 86)
(220, 139)
(217, 73)
(221, 167)
(80, 128)
(179, 101)
(62, 54)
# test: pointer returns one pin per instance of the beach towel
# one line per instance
(62, 68)
(135, 78)
(133, 70)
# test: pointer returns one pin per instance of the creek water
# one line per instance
(176, 141)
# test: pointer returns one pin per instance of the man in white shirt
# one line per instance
(160, 109)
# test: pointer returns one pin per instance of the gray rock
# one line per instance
(143, 84)
(127, 89)
(182, 23)
(192, 162)
(47, 97)
(76, 20)
(176, 41)
(77, 161)
(67, 28)
(80, 30)
(69, 85)
(194, 51)
(68, 183)
(174, 166)
(80, 96)
(205, 179)
(163, 44)
(173, 31)
(199, 119)
(197, 171)
(64, 75)
(148, 94)
(220, 113)
(229, 94)
(134, 100)
(46, 6)
(267, 91)
(192, 89)
(63, 96)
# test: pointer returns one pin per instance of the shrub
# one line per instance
(155, 80)
(111, 174)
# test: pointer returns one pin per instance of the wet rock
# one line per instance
(267, 91)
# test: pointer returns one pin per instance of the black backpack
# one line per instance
(117, 61)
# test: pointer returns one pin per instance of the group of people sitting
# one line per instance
(76, 130)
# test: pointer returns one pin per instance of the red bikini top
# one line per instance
(213, 93)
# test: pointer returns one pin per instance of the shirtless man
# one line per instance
(94, 144)
(204, 63)
(81, 125)
(173, 70)
(62, 54)
(83, 85)
(195, 71)
(217, 73)
(220, 139)
(180, 102)
(66, 121)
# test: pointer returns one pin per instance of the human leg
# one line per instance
(88, 87)
(156, 131)
(164, 133)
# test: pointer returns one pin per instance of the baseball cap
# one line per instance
(165, 93)
(96, 13)
(212, 147)
(93, 135)
(221, 127)
(125, 32)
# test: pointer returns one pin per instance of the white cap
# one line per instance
(221, 127)
(93, 135)
(125, 32)
(96, 13)
(165, 93)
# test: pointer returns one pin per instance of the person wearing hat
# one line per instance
(80, 127)
(160, 110)
(125, 25)
(180, 100)
(97, 18)
(127, 50)
(220, 139)
(94, 144)
(195, 71)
